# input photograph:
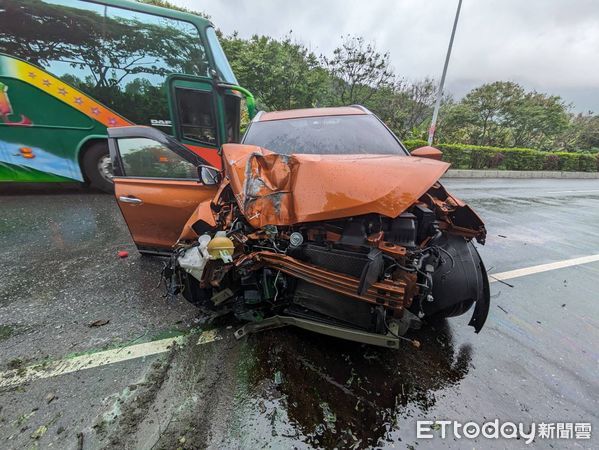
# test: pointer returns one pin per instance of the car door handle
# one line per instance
(131, 199)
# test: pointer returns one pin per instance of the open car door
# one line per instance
(157, 185)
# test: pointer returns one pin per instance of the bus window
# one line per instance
(117, 56)
(196, 115)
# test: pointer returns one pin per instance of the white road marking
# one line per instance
(15, 377)
(575, 191)
(503, 276)
(60, 367)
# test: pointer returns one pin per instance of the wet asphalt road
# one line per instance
(536, 360)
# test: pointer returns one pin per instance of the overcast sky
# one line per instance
(548, 45)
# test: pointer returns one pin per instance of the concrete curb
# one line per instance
(461, 173)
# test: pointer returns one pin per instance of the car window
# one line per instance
(352, 134)
(147, 158)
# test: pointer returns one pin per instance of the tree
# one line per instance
(538, 120)
(169, 5)
(582, 133)
(504, 114)
(357, 71)
(405, 106)
(282, 74)
(589, 131)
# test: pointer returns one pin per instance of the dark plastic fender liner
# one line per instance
(481, 309)
(459, 282)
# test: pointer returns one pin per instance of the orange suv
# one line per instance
(319, 218)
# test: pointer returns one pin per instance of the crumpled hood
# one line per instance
(274, 189)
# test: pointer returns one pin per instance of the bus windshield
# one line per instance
(223, 67)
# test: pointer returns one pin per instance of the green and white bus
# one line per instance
(70, 69)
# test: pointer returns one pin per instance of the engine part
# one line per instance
(221, 247)
(194, 259)
(403, 230)
(387, 293)
(326, 305)
(380, 340)
(296, 239)
(372, 270)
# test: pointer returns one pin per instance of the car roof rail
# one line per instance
(257, 116)
(363, 108)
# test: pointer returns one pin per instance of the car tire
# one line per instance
(97, 167)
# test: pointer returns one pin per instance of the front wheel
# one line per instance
(97, 167)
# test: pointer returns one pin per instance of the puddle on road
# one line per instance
(328, 393)
(285, 388)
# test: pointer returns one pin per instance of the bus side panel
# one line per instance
(42, 124)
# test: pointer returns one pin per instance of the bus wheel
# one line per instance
(98, 167)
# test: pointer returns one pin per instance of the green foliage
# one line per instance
(504, 114)
(169, 5)
(281, 74)
(484, 157)
(357, 70)
(412, 144)
(284, 74)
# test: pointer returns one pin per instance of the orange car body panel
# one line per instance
(202, 213)
(428, 152)
(274, 189)
(167, 206)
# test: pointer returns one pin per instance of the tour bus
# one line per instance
(70, 69)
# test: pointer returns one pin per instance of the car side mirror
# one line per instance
(427, 152)
(209, 175)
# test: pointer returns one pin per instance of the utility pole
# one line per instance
(431, 130)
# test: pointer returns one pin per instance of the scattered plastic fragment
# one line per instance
(278, 377)
(329, 417)
(98, 323)
(123, 253)
(39, 432)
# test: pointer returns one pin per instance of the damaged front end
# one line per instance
(361, 247)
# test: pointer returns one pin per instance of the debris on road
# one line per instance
(123, 253)
(503, 309)
(39, 432)
(278, 377)
(98, 323)
(50, 397)
(501, 281)
(80, 441)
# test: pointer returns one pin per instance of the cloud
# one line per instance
(548, 45)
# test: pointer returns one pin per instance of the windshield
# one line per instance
(222, 63)
(325, 135)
